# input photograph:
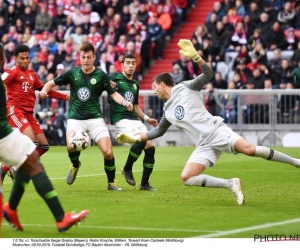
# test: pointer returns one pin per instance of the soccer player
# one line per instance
(87, 83)
(21, 83)
(19, 150)
(128, 121)
(210, 134)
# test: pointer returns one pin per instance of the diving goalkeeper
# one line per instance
(185, 110)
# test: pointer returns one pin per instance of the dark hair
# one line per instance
(164, 77)
(21, 48)
(86, 47)
(128, 56)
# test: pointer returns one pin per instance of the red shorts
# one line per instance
(20, 119)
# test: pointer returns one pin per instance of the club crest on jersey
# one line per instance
(24, 120)
(31, 78)
(26, 86)
(134, 85)
(128, 96)
(179, 112)
(83, 94)
(93, 81)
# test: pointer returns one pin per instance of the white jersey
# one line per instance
(186, 111)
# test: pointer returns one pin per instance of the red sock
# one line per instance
(42, 149)
(5, 168)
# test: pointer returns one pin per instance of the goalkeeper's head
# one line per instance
(162, 85)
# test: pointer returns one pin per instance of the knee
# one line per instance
(250, 151)
(184, 177)
(108, 155)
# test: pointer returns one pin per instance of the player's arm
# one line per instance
(188, 50)
(143, 116)
(120, 99)
(46, 88)
(159, 131)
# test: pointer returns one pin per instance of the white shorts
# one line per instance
(130, 126)
(96, 128)
(222, 140)
(15, 148)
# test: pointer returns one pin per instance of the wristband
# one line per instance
(145, 118)
(196, 58)
(123, 102)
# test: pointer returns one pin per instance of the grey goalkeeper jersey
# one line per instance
(186, 111)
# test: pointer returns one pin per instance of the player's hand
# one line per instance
(127, 138)
(128, 105)
(43, 94)
(68, 98)
(188, 50)
(113, 84)
(152, 122)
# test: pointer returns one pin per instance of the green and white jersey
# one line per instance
(85, 91)
(129, 89)
(5, 129)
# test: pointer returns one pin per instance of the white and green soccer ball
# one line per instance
(79, 140)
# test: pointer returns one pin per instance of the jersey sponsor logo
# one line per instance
(93, 81)
(22, 77)
(83, 94)
(26, 86)
(76, 79)
(179, 112)
(129, 96)
(4, 76)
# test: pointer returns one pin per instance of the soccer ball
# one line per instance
(79, 140)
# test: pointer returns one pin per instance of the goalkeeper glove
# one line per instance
(188, 50)
(127, 138)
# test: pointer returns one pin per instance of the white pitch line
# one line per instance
(245, 229)
(124, 228)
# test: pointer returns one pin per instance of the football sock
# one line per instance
(74, 158)
(22, 179)
(134, 153)
(148, 164)
(204, 180)
(110, 169)
(45, 189)
(42, 149)
(273, 155)
(4, 170)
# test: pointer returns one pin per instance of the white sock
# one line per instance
(204, 180)
(273, 155)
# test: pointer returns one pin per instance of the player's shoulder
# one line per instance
(113, 76)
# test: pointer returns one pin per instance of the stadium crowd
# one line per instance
(250, 44)
(55, 29)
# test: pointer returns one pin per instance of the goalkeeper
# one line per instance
(185, 110)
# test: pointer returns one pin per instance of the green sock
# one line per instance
(45, 189)
(110, 169)
(148, 164)
(134, 153)
(74, 158)
(22, 179)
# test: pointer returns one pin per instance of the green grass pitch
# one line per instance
(174, 210)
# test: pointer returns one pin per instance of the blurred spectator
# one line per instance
(264, 24)
(130, 49)
(134, 22)
(134, 7)
(254, 13)
(229, 101)
(272, 13)
(104, 63)
(243, 56)
(275, 38)
(292, 39)
(220, 39)
(218, 82)
(177, 74)
(116, 5)
(10, 16)
(227, 25)
(59, 18)
(283, 73)
(125, 14)
(50, 64)
(211, 23)
(3, 27)
(19, 26)
(155, 107)
(240, 8)
(268, 84)
(209, 100)
(217, 9)
(112, 55)
(249, 26)
(28, 17)
(164, 19)
(42, 73)
(94, 37)
(254, 39)
(157, 37)
(9, 55)
(238, 81)
(121, 45)
(35, 61)
(142, 14)
(60, 54)
(42, 20)
(170, 8)
(286, 17)
(99, 7)
(60, 69)
(238, 38)
(200, 33)
(288, 106)
(295, 75)
(103, 27)
(253, 64)
(118, 63)
(112, 69)
(12, 34)
(68, 62)
(258, 79)
(234, 17)
(28, 38)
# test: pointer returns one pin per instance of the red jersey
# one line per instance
(20, 88)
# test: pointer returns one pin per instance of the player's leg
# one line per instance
(42, 145)
(148, 164)
(247, 148)
(99, 133)
(202, 158)
(73, 155)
